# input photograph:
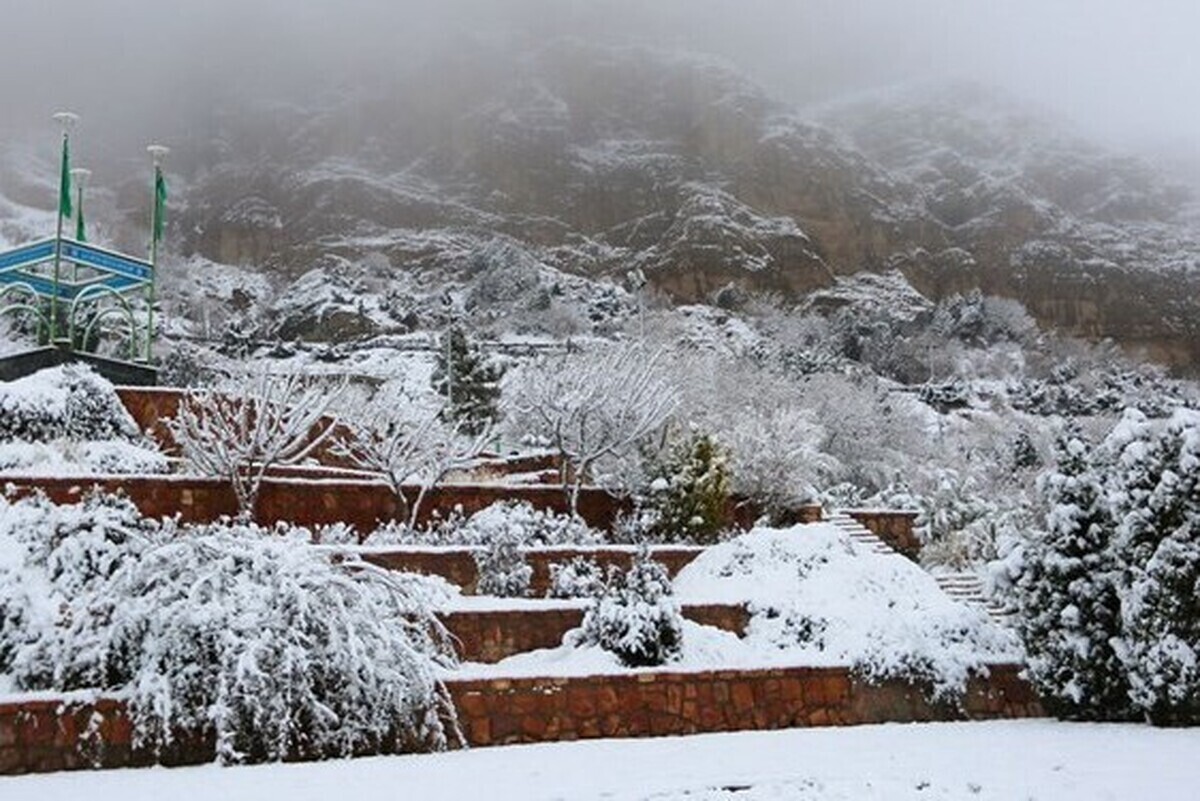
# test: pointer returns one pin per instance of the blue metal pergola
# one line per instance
(68, 286)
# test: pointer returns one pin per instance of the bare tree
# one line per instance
(241, 432)
(590, 407)
(391, 435)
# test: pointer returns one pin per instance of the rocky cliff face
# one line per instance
(590, 162)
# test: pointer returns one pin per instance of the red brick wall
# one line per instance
(457, 565)
(504, 711)
(42, 736)
(309, 502)
(49, 735)
(492, 635)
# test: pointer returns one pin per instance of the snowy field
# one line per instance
(1009, 761)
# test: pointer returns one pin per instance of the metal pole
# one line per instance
(157, 152)
(80, 175)
(66, 119)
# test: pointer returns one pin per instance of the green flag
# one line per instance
(80, 230)
(160, 203)
(64, 185)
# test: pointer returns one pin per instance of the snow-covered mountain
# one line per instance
(525, 187)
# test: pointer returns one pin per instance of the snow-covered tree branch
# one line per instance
(591, 406)
(241, 432)
(391, 435)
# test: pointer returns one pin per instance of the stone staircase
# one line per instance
(860, 534)
(963, 587)
(968, 588)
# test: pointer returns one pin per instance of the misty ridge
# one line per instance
(1124, 72)
(758, 146)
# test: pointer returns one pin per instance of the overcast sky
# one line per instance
(1126, 71)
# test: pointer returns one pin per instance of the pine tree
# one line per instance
(689, 491)
(469, 383)
(1160, 545)
(1068, 594)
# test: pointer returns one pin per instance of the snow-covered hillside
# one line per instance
(524, 194)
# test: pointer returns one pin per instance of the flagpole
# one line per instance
(157, 153)
(66, 119)
(80, 176)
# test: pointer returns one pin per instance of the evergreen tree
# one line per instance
(1068, 595)
(689, 491)
(1160, 546)
(469, 383)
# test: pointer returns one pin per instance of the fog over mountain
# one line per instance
(765, 145)
(1126, 72)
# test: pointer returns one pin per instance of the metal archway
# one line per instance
(92, 294)
(20, 286)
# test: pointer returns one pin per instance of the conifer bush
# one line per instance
(469, 382)
(1109, 592)
(688, 494)
(636, 617)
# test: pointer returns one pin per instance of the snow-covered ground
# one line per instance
(998, 761)
(816, 597)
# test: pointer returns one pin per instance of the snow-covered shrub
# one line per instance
(184, 366)
(529, 526)
(945, 396)
(66, 457)
(952, 522)
(255, 642)
(1068, 594)
(1108, 593)
(579, 578)
(688, 496)
(1156, 500)
(503, 571)
(68, 402)
(636, 617)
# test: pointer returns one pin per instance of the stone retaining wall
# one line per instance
(492, 635)
(362, 505)
(48, 735)
(506, 711)
(457, 565)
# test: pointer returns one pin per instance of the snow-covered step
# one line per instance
(968, 588)
(860, 534)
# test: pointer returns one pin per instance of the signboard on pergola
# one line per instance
(69, 286)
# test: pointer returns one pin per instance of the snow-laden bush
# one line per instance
(688, 495)
(65, 457)
(579, 578)
(503, 571)
(69, 402)
(817, 597)
(514, 520)
(1155, 497)
(1108, 590)
(224, 633)
(636, 617)
(952, 521)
